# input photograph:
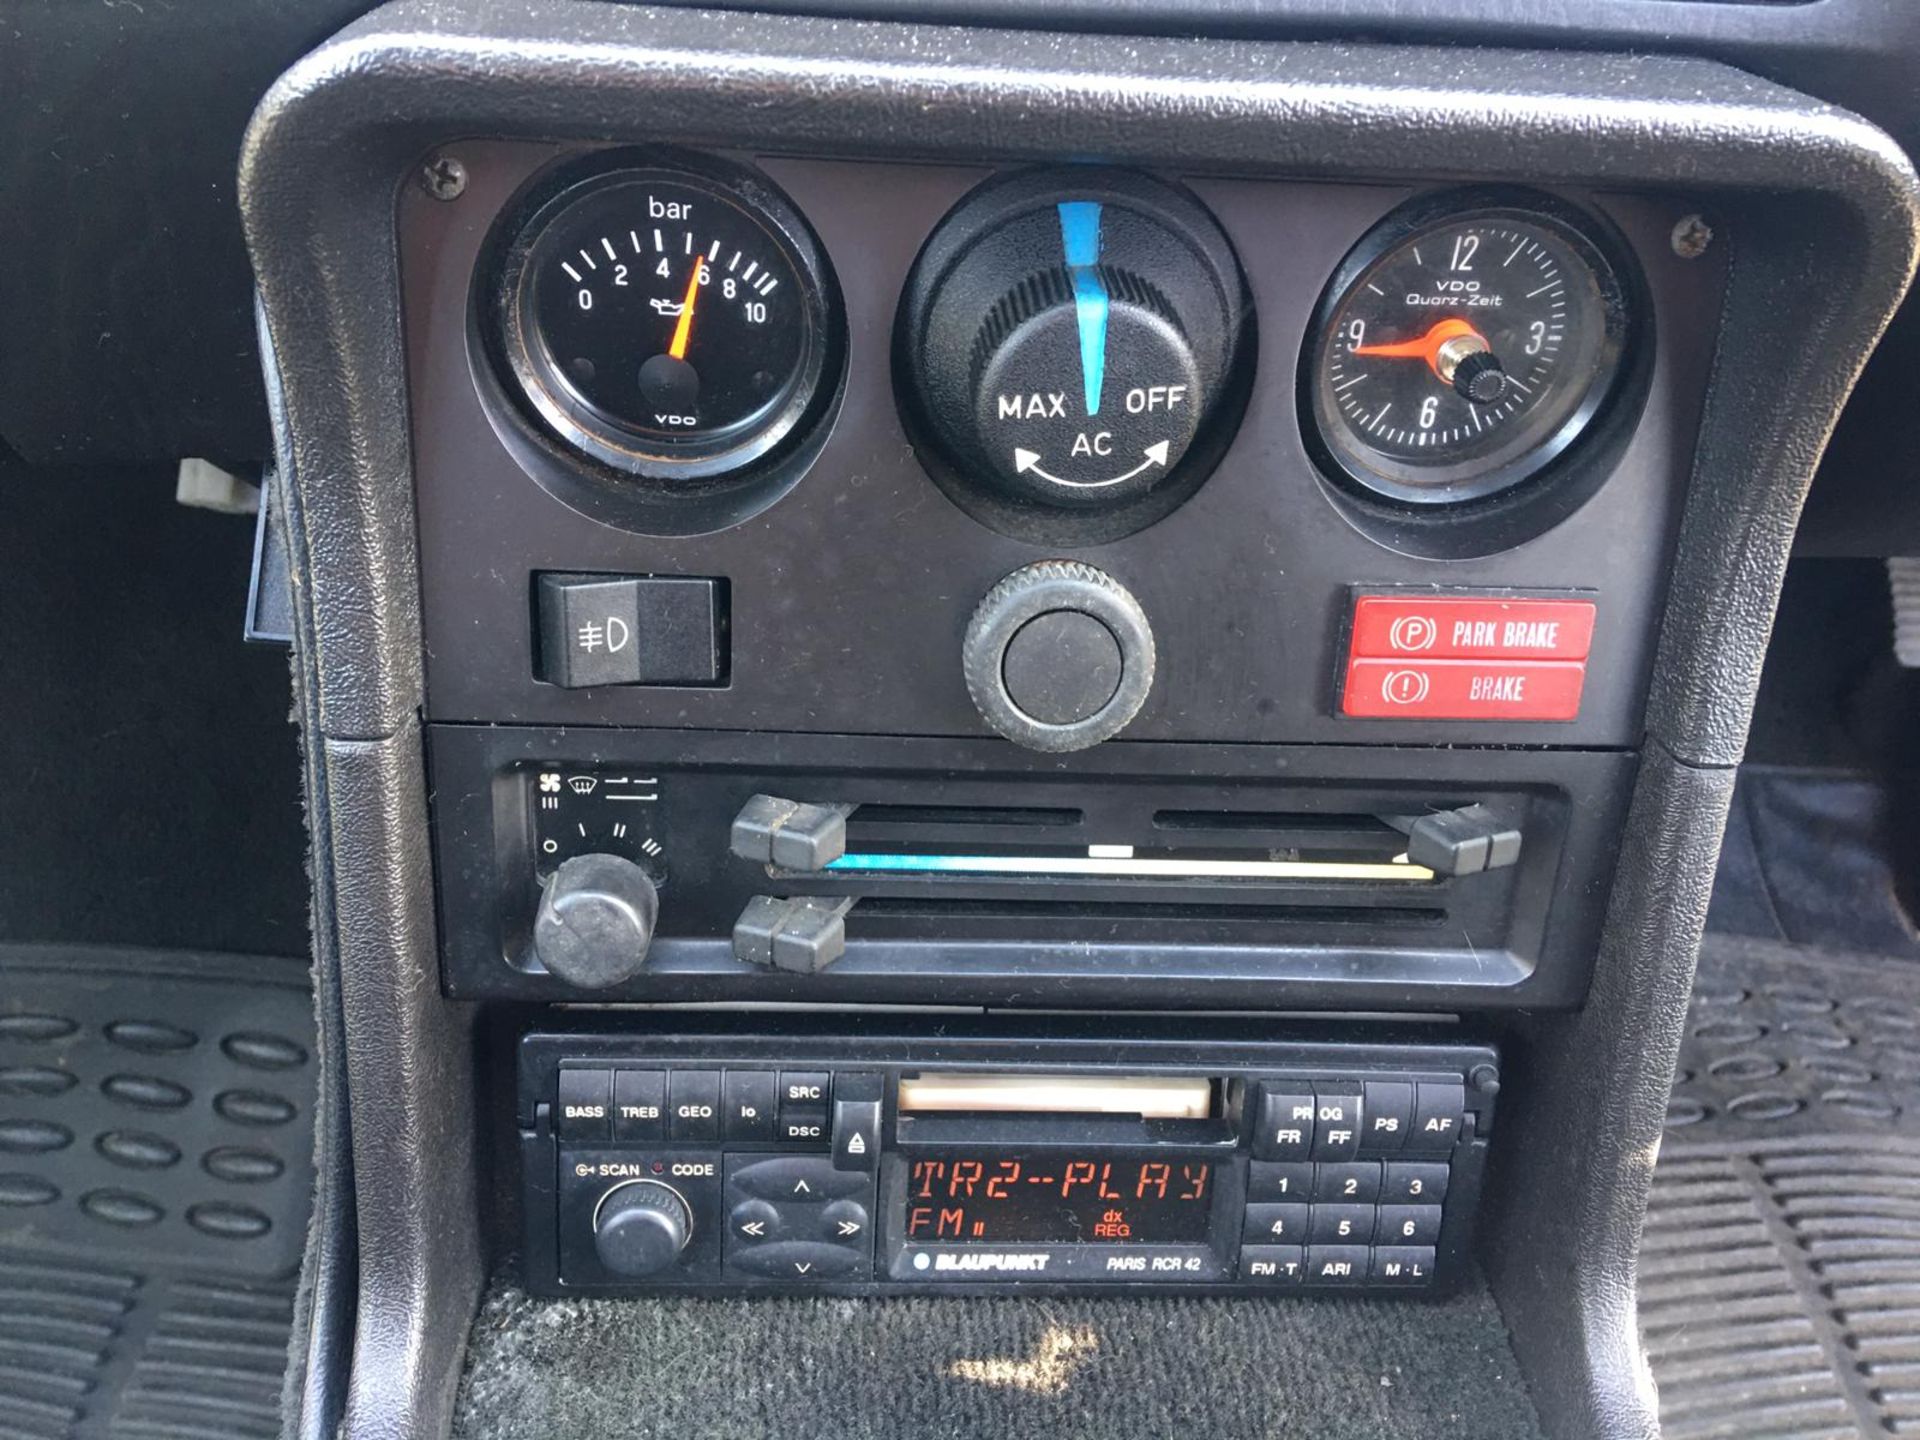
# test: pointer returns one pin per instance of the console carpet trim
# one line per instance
(985, 1368)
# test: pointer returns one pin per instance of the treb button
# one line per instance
(639, 1106)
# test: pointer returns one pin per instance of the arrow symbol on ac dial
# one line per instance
(1025, 460)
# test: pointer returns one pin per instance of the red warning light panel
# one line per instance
(1465, 657)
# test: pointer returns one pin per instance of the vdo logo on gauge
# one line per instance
(1071, 348)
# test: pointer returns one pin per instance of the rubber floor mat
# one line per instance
(156, 1139)
(1780, 1273)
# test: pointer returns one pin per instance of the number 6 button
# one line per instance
(1408, 1225)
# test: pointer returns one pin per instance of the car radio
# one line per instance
(934, 1162)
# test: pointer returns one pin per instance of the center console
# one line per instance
(915, 692)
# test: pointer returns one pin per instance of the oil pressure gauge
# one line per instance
(1462, 348)
(675, 321)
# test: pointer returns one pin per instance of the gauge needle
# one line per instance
(681, 332)
(1429, 346)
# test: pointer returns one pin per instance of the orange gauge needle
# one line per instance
(1427, 347)
(681, 332)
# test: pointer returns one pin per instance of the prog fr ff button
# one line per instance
(628, 630)
(1336, 1121)
(1284, 1125)
(585, 1104)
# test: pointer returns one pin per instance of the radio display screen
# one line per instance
(993, 1198)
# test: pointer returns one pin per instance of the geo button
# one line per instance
(1463, 690)
(1461, 627)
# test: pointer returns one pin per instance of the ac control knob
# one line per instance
(641, 1227)
(1073, 352)
(596, 920)
(1059, 656)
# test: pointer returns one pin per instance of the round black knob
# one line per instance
(641, 1227)
(1095, 449)
(1480, 377)
(1072, 352)
(596, 921)
(1059, 656)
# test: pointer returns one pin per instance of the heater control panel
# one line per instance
(659, 867)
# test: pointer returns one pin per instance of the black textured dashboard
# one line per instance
(874, 746)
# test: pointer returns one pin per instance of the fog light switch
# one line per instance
(629, 630)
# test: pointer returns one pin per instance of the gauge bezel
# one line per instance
(741, 451)
(1472, 481)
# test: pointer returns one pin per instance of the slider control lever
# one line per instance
(1459, 842)
(802, 935)
(790, 834)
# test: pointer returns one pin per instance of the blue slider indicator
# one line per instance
(1157, 867)
(1080, 238)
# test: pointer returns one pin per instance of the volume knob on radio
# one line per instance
(641, 1227)
(596, 920)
